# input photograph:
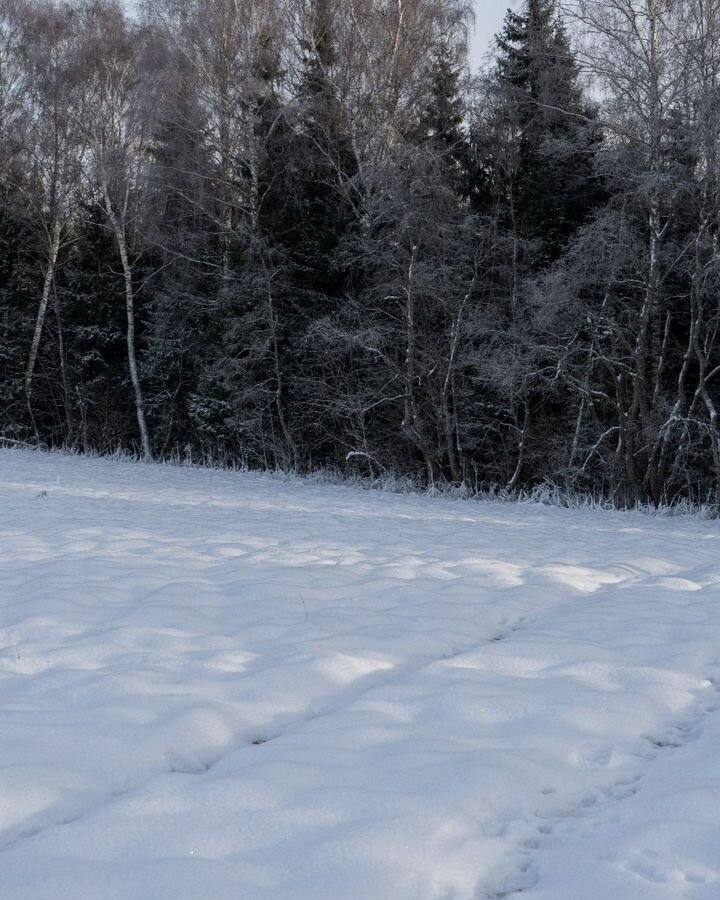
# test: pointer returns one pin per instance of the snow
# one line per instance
(217, 686)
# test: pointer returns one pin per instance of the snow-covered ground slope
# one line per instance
(228, 687)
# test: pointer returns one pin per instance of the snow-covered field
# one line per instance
(229, 687)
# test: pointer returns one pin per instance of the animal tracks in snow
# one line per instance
(588, 821)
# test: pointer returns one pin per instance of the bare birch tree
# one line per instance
(53, 147)
(117, 112)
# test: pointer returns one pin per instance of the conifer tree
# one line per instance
(552, 129)
(441, 124)
(311, 164)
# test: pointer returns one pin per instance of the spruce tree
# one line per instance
(553, 129)
(18, 287)
(441, 124)
(309, 167)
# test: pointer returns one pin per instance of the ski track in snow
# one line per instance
(234, 686)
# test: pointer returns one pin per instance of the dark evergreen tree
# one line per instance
(309, 204)
(186, 256)
(550, 183)
(442, 123)
(19, 279)
(309, 168)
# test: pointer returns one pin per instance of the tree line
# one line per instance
(299, 234)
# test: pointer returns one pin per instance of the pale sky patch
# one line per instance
(489, 15)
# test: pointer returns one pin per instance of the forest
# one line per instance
(301, 234)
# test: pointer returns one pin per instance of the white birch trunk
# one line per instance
(118, 228)
(54, 249)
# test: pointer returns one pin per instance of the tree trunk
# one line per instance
(447, 397)
(54, 250)
(120, 237)
(522, 444)
(411, 424)
(279, 388)
(638, 413)
(69, 425)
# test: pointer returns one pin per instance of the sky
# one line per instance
(489, 15)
